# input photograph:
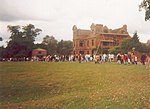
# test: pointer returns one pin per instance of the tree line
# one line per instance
(130, 45)
(21, 43)
(145, 4)
(22, 39)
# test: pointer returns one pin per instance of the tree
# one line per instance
(51, 44)
(21, 40)
(145, 4)
(64, 47)
(133, 43)
(60, 46)
(115, 50)
(1, 39)
(2, 51)
(129, 44)
(15, 40)
(30, 32)
(144, 48)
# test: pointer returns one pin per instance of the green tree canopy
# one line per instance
(145, 4)
(128, 45)
(51, 44)
(115, 50)
(21, 40)
(64, 47)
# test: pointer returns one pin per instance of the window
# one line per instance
(88, 43)
(105, 43)
(39, 52)
(92, 42)
(81, 44)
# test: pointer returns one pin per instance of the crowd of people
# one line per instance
(101, 58)
(53, 58)
(129, 58)
(119, 58)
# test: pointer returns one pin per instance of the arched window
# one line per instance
(92, 42)
(88, 43)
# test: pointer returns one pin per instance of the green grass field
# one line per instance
(70, 85)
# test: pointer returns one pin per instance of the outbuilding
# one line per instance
(39, 53)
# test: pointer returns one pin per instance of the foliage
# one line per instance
(98, 50)
(30, 32)
(64, 47)
(55, 47)
(51, 44)
(115, 50)
(48, 85)
(145, 4)
(2, 51)
(144, 49)
(128, 44)
(21, 40)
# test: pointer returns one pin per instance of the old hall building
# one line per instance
(99, 38)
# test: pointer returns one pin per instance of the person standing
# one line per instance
(118, 58)
(125, 59)
(80, 58)
(143, 57)
(135, 59)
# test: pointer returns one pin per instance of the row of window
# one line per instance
(81, 43)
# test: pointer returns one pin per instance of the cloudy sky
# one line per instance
(57, 17)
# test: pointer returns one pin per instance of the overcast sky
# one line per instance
(57, 17)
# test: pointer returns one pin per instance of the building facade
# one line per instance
(39, 52)
(98, 39)
(148, 43)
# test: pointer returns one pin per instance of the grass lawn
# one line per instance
(70, 85)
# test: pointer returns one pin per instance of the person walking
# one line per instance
(80, 58)
(143, 57)
(118, 58)
(125, 59)
(135, 59)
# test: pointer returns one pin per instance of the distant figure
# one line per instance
(148, 62)
(80, 58)
(135, 60)
(143, 57)
(118, 59)
(97, 59)
(125, 59)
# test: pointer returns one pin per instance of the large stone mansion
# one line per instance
(98, 38)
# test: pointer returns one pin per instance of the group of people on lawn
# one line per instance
(130, 58)
(127, 59)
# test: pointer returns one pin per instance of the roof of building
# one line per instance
(82, 32)
(148, 43)
(99, 29)
(39, 49)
